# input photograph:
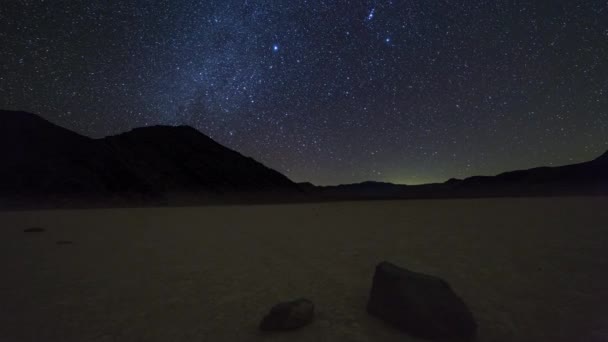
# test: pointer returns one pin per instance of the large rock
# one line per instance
(288, 315)
(419, 304)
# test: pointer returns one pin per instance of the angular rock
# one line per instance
(288, 315)
(419, 304)
(34, 230)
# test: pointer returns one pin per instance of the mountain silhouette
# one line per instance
(42, 160)
(583, 179)
(181, 159)
(45, 163)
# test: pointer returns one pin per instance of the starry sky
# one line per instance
(406, 91)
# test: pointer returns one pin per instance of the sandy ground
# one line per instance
(530, 269)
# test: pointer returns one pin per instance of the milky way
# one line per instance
(325, 91)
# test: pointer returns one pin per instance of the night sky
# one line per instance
(325, 91)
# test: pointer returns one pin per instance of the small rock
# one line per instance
(419, 304)
(34, 230)
(288, 315)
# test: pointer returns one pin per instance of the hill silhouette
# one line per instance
(583, 179)
(43, 162)
(47, 165)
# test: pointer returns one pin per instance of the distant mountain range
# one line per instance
(47, 165)
(584, 179)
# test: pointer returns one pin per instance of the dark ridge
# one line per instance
(42, 159)
(45, 162)
(45, 165)
(602, 159)
(584, 179)
(180, 158)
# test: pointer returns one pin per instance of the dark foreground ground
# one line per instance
(530, 269)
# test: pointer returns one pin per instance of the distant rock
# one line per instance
(34, 230)
(419, 304)
(288, 315)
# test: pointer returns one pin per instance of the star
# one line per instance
(371, 14)
(342, 73)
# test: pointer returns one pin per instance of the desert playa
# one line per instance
(529, 269)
